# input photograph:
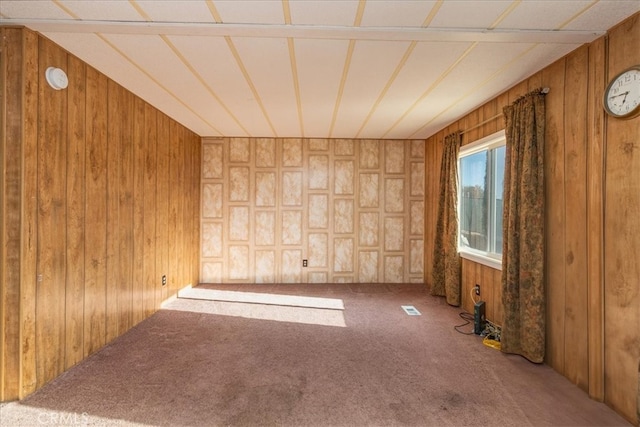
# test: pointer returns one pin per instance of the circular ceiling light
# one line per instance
(57, 78)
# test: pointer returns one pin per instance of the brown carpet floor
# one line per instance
(187, 367)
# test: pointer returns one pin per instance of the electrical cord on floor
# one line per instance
(469, 318)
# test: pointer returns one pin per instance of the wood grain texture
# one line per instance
(595, 218)
(575, 255)
(75, 195)
(29, 232)
(73, 212)
(52, 219)
(11, 197)
(621, 231)
(95, 310)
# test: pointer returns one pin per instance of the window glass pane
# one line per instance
(498, 194)
(473, 203)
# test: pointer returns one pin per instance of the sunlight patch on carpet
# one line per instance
(261, 298)
(278, 313)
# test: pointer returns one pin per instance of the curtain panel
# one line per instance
(446, 261)
(523, 294)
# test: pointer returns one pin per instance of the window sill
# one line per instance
(481, 259)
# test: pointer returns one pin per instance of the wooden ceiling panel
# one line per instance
(176, 11)
(101, 10)
(469, 14)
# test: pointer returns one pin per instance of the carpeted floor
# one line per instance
(199, 362)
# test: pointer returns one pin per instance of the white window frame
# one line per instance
(492, 141)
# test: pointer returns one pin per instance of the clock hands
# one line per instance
(620, 94)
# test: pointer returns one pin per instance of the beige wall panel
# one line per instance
(417, 217)
(239, 150)
(212, 161)
(416, 260)
(211, 239)
(239, 262)
(368, 267)
(369, 154)
(265, 267)
(369, 190)
(393, 269)
(265, 226)
(417, 179)
(417, 149)
(266, 153)
(239, 184)
(318, 249)
(212, 200)
(393, 234)
(369, 228)
(343, 255)
(342, 279)
(343, 216)
(265, 188)
(292, 189)
(292, 153)
(211, 272)
(344, 147)
(343, 183)
(318, 144)
(318, 172)
(292, 228)
(239, 223)
(394, 157)
(292, 266)
(318, 277)
(318, 211)
(394, 195)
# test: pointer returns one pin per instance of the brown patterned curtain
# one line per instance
(523, 330)
(446, 261)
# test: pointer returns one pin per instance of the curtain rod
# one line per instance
(543, 90)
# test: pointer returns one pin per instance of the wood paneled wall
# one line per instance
(592, 173)
(352, 208)
(100, 199)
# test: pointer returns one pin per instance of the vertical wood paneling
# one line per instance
(82, 186)
(554, 77)
(575, 252)
(150, 241)
(75, 196)
(95, 244)
(29, 217)
(137, 275)
(595, 218)
(11, 140)
(621, 231)
(52, 152)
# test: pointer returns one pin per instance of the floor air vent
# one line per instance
(410, 310)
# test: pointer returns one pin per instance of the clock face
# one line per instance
(622, 97)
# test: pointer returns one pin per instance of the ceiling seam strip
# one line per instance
(476, 87)
(494, 75)
(236, 55)
(294, 66)
(407, 53)
(143, 71)
(432, 87)
(347, 66)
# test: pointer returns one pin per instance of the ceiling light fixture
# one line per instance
(56, 78)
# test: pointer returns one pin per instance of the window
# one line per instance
(481, 180)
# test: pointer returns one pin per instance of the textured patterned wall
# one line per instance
(354, 209)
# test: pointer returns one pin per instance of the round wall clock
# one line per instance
(622, 95)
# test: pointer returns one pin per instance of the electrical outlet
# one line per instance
(477, 289)
(164, 280)
(304, 262)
